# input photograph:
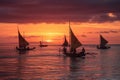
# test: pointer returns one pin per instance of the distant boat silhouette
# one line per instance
(23, 44)
(74, 43)
(65, 43)
(103, 43)
(42, 45)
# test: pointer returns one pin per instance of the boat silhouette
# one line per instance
(103, 43)
(74, 44)
(23, 43)
(42, 45)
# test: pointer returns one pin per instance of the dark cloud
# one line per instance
(110, 31)
(33, 11)
(114, 31)
(83, 35)
(105, 17)
(25, 36)
(105, 32)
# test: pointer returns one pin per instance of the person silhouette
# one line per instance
(74, 50)
(83, 50)
(64, 49)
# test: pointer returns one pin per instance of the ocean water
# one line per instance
(49, 64)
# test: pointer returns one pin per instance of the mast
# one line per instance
(69, 37)
(69, 34)
(40, 43)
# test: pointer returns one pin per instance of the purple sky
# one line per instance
(35, 11)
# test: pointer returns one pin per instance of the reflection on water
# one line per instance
(47, 64)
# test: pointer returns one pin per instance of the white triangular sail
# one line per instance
(103, 41)
(74, 42)
(65, 44)
(22, 41)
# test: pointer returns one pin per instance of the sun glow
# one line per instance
(49, 40)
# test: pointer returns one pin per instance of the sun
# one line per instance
(49, 40)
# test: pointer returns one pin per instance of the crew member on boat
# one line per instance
(83, 51)
(64, 49)
(74, 51)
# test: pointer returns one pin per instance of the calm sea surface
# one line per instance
(49, 64)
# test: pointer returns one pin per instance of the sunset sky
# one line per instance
(47, 20)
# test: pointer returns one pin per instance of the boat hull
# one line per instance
(81, 54)
(106, 47)
(43, 45)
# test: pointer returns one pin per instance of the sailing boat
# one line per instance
(65, 43)
(103, 43)
(42, 45)
(23, 44)
(74, 44)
